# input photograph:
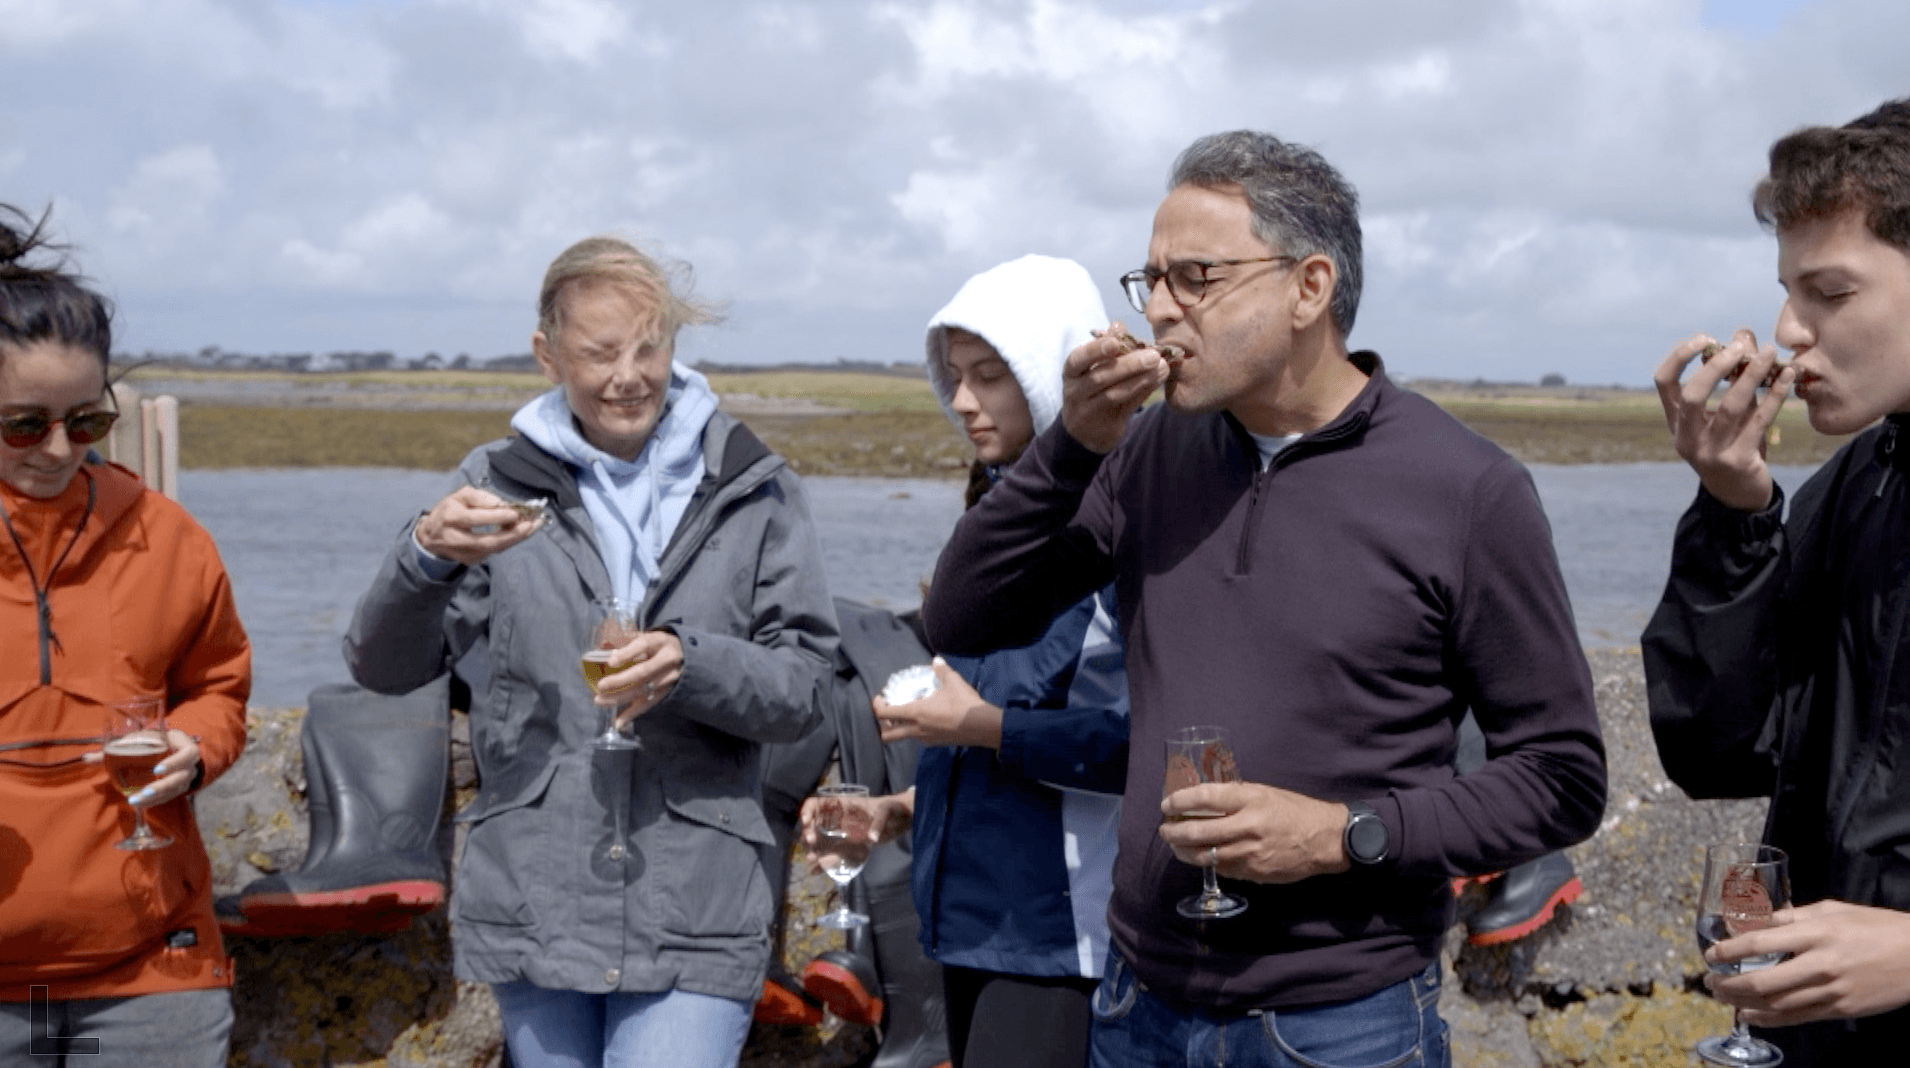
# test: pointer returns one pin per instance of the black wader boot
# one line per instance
(375, 769)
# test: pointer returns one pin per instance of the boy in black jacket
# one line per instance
(1776, 661)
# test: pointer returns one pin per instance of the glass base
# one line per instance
(138, 842)
(1740, 1050)
(1214, 907)
(842, 919)
(615, 741)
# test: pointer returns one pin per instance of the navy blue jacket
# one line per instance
(992, 879)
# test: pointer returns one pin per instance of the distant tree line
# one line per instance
(212, 356)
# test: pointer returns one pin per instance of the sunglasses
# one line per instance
(82, 428)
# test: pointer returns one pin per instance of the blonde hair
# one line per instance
(664, 286)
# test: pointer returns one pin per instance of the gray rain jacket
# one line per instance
(595, 871)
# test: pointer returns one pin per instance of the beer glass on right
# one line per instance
(135, 744)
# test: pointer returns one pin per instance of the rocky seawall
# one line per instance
(1613, 981)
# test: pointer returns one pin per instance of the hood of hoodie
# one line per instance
(1034, 311)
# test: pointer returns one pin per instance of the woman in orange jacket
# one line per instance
(108, 591)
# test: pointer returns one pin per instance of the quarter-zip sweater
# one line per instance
(108, 591)
(1339, 612)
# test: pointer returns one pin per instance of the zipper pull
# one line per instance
(1887, 456)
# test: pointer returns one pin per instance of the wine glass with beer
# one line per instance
(1744, 885)
(1196, 755)
(615, 626)
(135, 744)
(843, 822)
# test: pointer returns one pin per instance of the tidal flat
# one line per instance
(825, 422)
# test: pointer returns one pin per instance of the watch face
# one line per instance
(1366, 838)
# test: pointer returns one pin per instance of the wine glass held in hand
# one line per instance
(1744, 885)
(135, 745)
(614, 628)
(843, 824)
(1197, 755)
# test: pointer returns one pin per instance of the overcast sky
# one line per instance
(1547, 185)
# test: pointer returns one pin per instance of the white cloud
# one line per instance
(579, 30)
(286, 175)
(371, 250)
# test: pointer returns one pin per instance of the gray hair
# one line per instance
(1301, 205)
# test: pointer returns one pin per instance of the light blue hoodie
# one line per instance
(634, 505)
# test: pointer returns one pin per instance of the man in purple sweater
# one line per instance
(1330, 567)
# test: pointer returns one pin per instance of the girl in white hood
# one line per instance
(1026, 749)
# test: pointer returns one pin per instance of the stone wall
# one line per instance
(1612, 982)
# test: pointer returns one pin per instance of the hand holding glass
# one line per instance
(615, 627)
(1196, 755)
(844, 823)
(1744, 884)
(135, 744)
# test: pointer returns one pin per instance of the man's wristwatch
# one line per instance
(1366, 839)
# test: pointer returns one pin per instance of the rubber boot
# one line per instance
(1524, 899)
(846, 979)
(376, 781)
(915, 1027)
(229, 908)
(790, 771)
(783, 1002)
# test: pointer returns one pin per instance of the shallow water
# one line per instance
(301, 545)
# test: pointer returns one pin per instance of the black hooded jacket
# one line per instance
(1777, 665)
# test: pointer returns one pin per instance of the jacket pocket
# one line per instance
(505, 871)
(68, 899)
(709, 876)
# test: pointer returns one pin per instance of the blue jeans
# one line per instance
(1397, 1027)
(574, 1029)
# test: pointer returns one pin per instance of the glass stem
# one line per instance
(1210, 883)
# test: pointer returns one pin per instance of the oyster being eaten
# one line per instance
(1173, 354)
(1770, 379)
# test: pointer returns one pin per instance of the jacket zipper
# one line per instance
(695, 526)
(1243, 556)
(43, 608)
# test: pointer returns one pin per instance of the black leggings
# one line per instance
(1017, 1021)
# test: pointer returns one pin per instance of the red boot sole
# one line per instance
(838, 988)
(383, 908)
(782, 1007)
(1566, 894)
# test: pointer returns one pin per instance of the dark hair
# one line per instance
(1823, 171)
(46, 303)
(1301, 205)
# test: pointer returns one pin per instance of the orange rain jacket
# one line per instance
(138, 604)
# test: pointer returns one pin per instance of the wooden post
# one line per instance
(122, 445)
(166, 411)
(148, 443)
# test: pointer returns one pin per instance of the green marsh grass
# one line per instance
(870, 424)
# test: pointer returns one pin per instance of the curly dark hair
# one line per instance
(1820, 172)
(46, 302)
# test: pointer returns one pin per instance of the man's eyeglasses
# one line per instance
(82, 428)
(1187, 280)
